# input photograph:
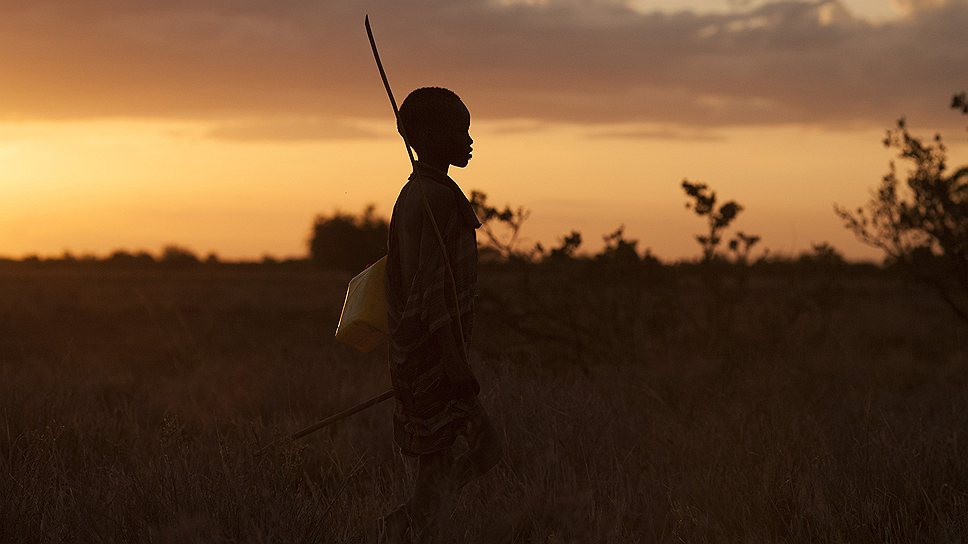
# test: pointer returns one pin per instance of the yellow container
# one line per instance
(363, 321)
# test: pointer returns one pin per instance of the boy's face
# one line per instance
(453, 143)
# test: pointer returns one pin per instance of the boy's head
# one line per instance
(437, 125)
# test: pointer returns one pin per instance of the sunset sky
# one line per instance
(226, 125)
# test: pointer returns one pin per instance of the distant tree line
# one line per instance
(169, 257)
(920, 224)
(347, 242)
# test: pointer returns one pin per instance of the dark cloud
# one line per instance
(561, 60)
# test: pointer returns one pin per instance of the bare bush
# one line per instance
(920, 222)
(502, 229)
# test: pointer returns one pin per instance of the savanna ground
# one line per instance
(822, 408)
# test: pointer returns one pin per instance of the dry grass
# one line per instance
(130, 403)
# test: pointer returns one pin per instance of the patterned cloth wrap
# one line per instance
(431, 410)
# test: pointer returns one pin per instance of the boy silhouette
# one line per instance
(436, 391)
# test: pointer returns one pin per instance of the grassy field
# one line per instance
(131, 403)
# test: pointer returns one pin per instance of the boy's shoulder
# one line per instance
(410, 202)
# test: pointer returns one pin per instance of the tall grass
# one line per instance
(131, 403)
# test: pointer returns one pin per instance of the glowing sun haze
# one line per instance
(226, 126)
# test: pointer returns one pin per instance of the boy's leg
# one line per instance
(484, 451)
(394, 528)
(440, 476)
(484, 447)
(434, 485)
(432, 490)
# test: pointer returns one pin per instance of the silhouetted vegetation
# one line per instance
(616, 379)
(822, 255)
(342, 241)
(131, 260)
(724, 281)
(178, 257)
(501, 230)
(960, 102)
(171, 257)
(502, 239)
(703, 203)
(567, 247)
(618, 249)
(130, 404)
(920, 223)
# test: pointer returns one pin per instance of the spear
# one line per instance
(327, 422)
(420, 188)
(386, 395)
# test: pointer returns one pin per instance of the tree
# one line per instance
(960, 102)
(741, 246)
(567, 247)
(723, 286)
(506, 245)
(123, 258)
(344, 242)
(718, 219)
(177, 256)
(618, 249)
(822, 255)
(920, 223)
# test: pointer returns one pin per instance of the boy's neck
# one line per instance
(440, 165)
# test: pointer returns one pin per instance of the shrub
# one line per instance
(920, 224)
(344, 242)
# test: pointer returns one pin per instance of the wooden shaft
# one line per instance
(329, 421)
(413, 163)
(440, 240)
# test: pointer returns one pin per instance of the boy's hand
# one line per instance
(455, 363)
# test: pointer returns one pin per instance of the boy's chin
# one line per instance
(462, 162)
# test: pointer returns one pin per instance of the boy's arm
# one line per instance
(441, 308)
(455, 361)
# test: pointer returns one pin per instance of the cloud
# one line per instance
(552, 61)
(660, 134)
(518, 127)
(290, 130)
(912, 7)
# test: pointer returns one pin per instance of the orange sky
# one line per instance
(226, 126)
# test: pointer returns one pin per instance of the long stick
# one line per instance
(328, 421)
(460, 329)
(420, 189)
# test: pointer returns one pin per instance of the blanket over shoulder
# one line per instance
(421, 312)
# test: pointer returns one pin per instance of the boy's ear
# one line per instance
(415, 138)
(423, 139)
